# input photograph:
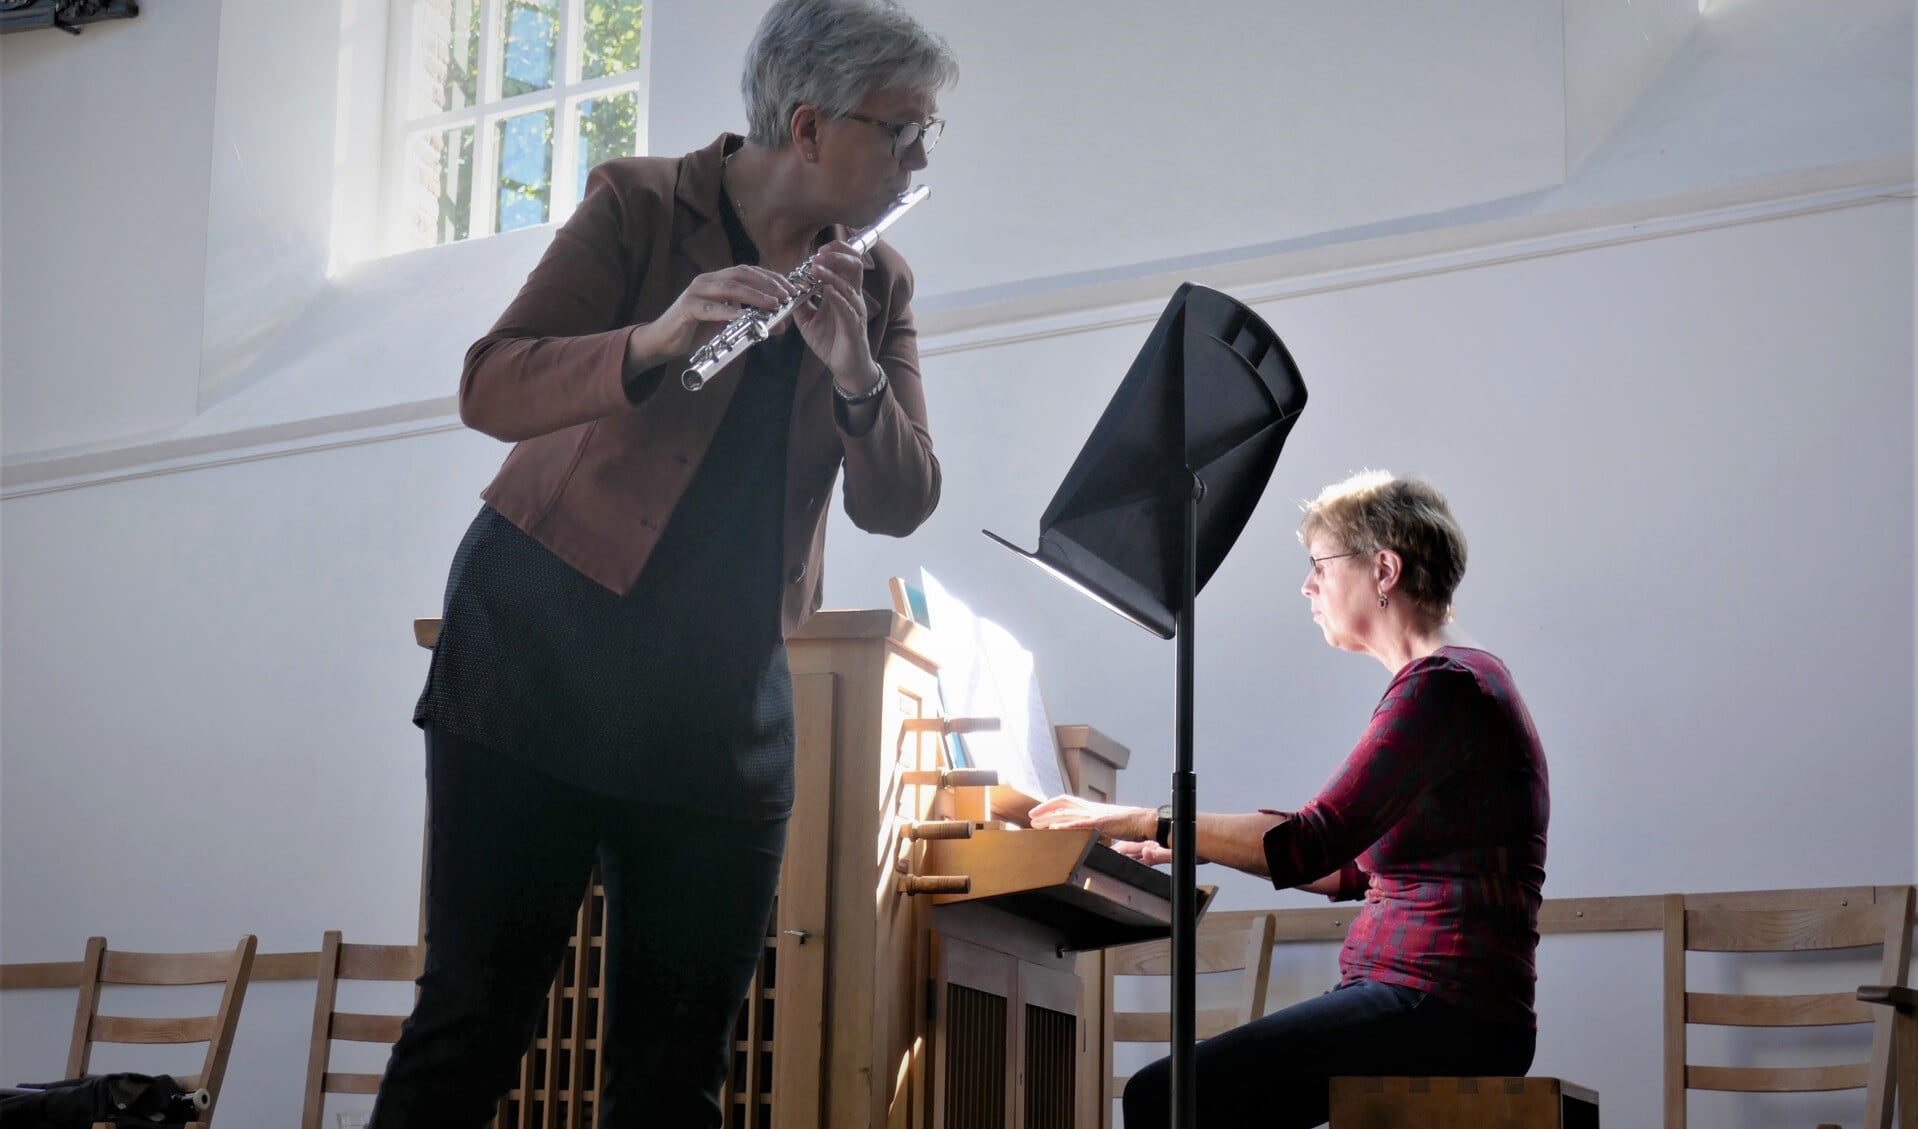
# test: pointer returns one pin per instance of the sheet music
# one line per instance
(984, 672)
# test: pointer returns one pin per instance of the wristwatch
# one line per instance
(1163, 835)
(854, 399)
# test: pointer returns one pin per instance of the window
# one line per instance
(500, 108)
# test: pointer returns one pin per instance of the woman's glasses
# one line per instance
(906, 135)
(1318, 563)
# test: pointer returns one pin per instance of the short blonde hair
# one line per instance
(1375, 510)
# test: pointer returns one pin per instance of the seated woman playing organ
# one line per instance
(1436, 819)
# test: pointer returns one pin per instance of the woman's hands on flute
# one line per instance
(833, 317)
(704, 308)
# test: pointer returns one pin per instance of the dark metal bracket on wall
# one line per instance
(67, 15)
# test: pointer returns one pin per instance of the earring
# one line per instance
(1383, 600)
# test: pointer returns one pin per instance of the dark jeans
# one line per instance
(1276, 1072)
(688, 897)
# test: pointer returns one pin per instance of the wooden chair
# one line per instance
(1904, 1045)
(1763, 924)
(1244, 947)
(351, 962)
(103, 966)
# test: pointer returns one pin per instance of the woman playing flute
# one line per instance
(610, 682)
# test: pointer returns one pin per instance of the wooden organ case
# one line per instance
(931, 964)
(927, 950)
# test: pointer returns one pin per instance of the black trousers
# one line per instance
(1276, 1072)
(688, 897)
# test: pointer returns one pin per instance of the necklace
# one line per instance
(725, 170)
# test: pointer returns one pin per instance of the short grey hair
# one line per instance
(831, 54)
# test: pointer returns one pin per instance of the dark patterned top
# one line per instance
(1437, 819)
(676, 693)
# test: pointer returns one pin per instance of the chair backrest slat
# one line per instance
(379, 962)
(355, 1028)
(1829, 1009)
(1777, 1079)
(352, 1083)
(167, 969)
(1771, 931)
(129, 1029)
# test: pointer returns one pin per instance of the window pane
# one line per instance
(445, 57)
(530, 41)
(439, 187)
(608, 128)
(525, 169)
(609, 43)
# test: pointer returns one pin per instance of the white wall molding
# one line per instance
(1073, 307)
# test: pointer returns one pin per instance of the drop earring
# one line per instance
(1383, 599)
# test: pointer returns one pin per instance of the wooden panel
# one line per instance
(1777, 1079)
(1599, 915)
(975, 1059)
(125, 1029)
(1050, 1060)
(973, 1035)
(1758, 931)
(352, 1083)
(802, 913)
(40, 974)
(1827, 1010)
(285, 966)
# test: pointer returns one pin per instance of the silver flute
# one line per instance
(753, 326)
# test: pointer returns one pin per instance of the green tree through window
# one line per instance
(511, 104)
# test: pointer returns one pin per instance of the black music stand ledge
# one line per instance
(1156, 498)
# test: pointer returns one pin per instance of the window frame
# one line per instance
(490, 108)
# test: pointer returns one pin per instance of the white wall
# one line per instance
(106, 242)
(1685, 464)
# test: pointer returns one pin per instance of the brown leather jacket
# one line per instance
(599, 467)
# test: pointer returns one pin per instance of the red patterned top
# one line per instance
(1437, 819)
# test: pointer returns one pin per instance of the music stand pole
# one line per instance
(1185, 797)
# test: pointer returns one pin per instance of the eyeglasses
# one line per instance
(904, 136)
(1318, 563)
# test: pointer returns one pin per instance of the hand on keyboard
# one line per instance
(1152, 854)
